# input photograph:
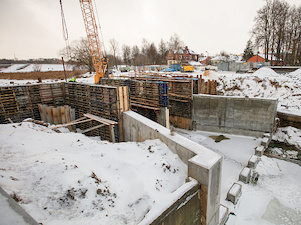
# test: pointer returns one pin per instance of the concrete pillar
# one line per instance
(164, 117)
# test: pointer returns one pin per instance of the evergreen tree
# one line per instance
(248, 52)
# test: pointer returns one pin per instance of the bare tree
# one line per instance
(135, 55)
(80, 54)
(126, 53)
(162, 51)
(175, 43)
(277, 31)
(114, 48)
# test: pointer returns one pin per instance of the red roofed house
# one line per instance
(261, 58)
(183, 55)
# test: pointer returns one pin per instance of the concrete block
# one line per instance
(253, 161)
(267, 135)
(265, 142)
(259, 150)
(234, 193)
(245, 175)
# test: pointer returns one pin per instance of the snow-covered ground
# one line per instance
(17, 68)
(68, 178)
(276, 199)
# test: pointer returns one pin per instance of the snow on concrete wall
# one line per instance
(204, 165)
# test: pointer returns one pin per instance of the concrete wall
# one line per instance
(186, 210)
(204, 165)
(236, 115)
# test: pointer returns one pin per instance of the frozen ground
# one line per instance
(276, 199)
(68, 178)
(16, 68)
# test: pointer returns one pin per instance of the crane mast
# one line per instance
(100, 63)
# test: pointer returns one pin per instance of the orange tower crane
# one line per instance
(100, 63)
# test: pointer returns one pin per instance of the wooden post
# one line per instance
(64, 69)
(112, 133)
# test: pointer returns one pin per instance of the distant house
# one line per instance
(221, 59)
(205, 60)
(183, 55)
(261, 58)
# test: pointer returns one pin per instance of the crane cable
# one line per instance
(103, 45)
(65, 31)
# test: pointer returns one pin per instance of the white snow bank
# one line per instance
(69, 178)
(296, 73)
(288, 135)
(265, 72)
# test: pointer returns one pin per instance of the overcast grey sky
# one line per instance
(33, 29)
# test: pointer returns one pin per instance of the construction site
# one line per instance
(186, 113)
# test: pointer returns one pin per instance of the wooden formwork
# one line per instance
(104, 101)
(145, 95)
(20, 102)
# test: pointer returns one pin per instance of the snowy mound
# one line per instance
(265, 72)
(210, 75)
(296, 73)
(264, 83)
(69, 178)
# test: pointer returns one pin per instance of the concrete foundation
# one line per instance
(204, 165)
(236, 115)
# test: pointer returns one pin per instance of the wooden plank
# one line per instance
(92, 128)
(120, 99)
(126, 100)
(62, 114)
(49, 114)
(42, 111)
(55, 115)
(68, 117)
(68, 124)
(100, 119)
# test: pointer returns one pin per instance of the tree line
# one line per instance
(277, 31)
(148, 53)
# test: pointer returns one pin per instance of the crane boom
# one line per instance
(100, 63)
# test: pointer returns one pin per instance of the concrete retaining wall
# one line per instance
(186, 210)
(236, 115)
(204, 165)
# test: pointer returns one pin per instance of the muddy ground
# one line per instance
(41, 75)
